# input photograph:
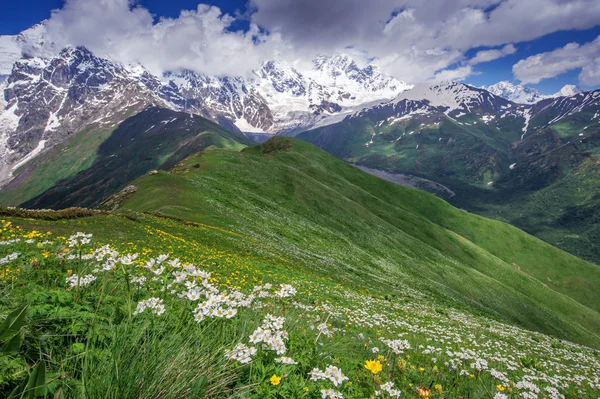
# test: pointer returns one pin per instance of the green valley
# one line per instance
(373, 265)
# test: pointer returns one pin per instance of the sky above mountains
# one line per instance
(542, 43)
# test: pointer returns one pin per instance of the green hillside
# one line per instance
(60, 162)
(542, 183)
(152, 139)
(300, 197)
(446, 302)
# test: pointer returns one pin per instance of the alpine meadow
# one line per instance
(288, 199)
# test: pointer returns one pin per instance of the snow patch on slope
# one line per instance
(34, 153)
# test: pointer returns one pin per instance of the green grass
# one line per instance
(92, 347)
(550, 187)
(369, 259)
(307, 202)
(153, 139)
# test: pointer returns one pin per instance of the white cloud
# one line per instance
(198, 39)
(411, 39)
(490, 55)
(422, 37)
(460, 73)
(572, 56)
(590, 73)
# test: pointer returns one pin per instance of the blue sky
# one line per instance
(297, 29)
(501, 69)
(17, 16)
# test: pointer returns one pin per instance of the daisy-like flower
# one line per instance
(82, 281)
(317, 375)
(331, 394)
(155, 305)
(275, 380)
(285, 360)
(241, 353)
(335, 375)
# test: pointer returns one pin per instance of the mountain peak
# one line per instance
(338, 62)
(567, 91)
(515, 93)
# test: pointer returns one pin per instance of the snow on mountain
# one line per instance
(567, 91)
(527, 95)
(47, 100)
(515, 93)
(299, 100)
(455, 98)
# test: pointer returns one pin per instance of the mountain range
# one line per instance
(504, 151)
(46, 101)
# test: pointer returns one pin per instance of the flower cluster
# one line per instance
(397, 346)
(82, 281)
(285, 360)
(242, 353)
(155, 305)
(389, 388)
(271, 334)
(9, 258)
(331, 373)
(285, 291)
(79, 239)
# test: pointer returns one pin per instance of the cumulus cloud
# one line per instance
(198, 39)
(457, 74)
(553, 63)
(410, 39)
(490, 55)
(414, 39)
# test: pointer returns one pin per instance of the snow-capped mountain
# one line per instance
(452, 98)
(567, 91)
(527, 95)
(515, 93)
(279, 98)
(47, 100)
(429, 104)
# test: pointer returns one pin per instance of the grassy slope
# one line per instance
(554, 183)
(61, 162)
(335, 217)
(172, 356)
(155, 138)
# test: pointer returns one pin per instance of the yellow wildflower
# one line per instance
(423, 392)
(275, 380)
(374, 366)
(500, 388)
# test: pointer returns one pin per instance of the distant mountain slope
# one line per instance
(153, 139)
(290, 195)
(531, 165)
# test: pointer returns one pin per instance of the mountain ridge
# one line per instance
(527, 95)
